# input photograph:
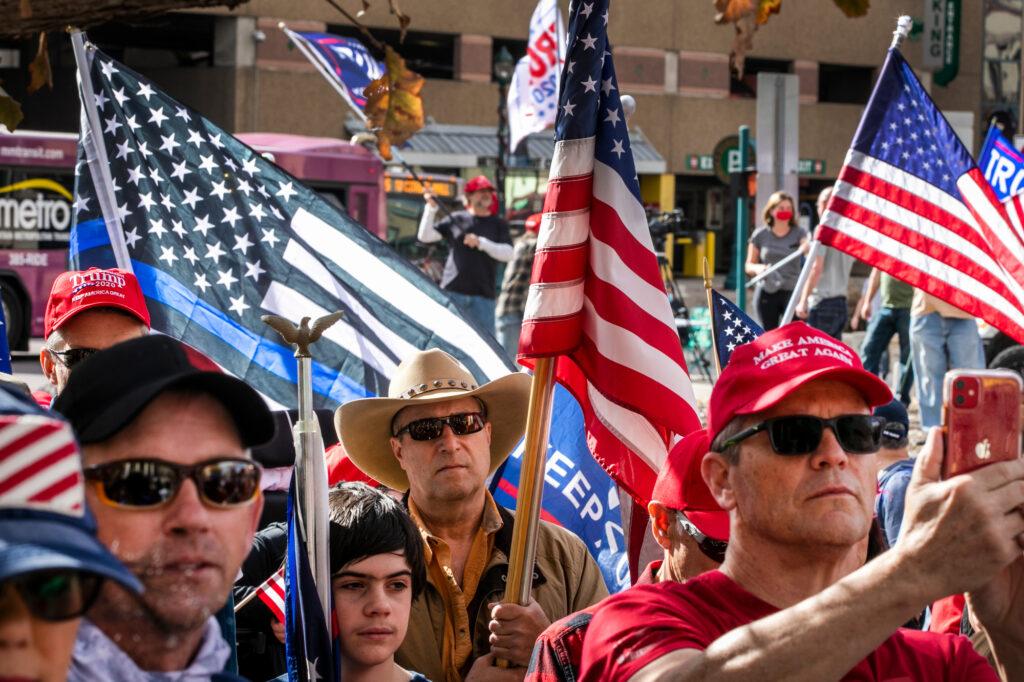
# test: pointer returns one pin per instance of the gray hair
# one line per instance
(731, 453)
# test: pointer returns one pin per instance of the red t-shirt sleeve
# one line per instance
(638, 626)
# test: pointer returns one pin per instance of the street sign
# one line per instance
(941, 39)
(729, 161)
(811, 167)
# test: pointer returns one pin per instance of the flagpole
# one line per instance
(805, 272)
(98, 162)
(711, 319)
(523, 552)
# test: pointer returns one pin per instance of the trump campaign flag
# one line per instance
(533, 93)
(597, 301)
(345, 62)
(910, 201)
(1003, 167)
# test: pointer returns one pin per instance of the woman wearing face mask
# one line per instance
(779, 237)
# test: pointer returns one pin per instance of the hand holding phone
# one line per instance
(981, 418)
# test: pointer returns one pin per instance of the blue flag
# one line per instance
(5, 350)
(731, 326)
(309, 648)
(1002, 165)
(578, 494)
(344, 61)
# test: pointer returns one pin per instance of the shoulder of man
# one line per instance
(933, 655)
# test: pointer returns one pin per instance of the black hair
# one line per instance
(365, 522)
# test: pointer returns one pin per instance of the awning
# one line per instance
(464, 146)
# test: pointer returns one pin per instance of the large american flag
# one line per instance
(218, 236)
(597, 299)
(910, 201)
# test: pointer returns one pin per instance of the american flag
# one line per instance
(271, 593)
(311, 651)
(596, 299)
(218, 235)
(731, 327)
(910, 201)
(39, 466)
(1003, 167)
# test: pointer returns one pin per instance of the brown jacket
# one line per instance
(565, 579)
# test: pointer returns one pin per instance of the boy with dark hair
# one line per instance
(377, 570)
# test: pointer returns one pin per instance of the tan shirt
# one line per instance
(926, 303)
(458, 641)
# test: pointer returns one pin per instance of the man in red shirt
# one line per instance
(792, 460)
(686, 522)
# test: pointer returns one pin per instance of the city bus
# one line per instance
(37, 179)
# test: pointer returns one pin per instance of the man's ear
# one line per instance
(396, 447)
(46, 362)
(714, 468)
(661, 521)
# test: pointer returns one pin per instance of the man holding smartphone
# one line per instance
(793, 461)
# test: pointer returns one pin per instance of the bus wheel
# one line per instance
(14, 314)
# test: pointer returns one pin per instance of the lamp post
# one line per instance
(503, 66)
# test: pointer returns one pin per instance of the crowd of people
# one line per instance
(797, 539)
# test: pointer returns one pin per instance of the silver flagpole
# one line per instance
(805, 272)
(96, 154)
(773, 268)
(310, 465)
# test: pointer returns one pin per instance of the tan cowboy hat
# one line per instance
(364, 426)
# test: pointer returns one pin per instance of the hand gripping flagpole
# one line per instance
(523, 552)
(310, 466)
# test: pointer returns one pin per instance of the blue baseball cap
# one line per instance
(897, 423)
(44, 521)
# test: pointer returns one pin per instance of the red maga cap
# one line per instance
(78, 290)
(478, 183)
(681, 486)
(760, 374)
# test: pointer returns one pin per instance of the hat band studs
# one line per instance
(437, 384)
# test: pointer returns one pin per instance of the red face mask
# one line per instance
(783, 215)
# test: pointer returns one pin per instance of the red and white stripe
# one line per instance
(271, 593)
(598, 302)
(40, 467)
(968, 253)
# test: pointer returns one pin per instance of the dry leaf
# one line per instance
(853, 8)
(403, 19)
(10, 111)
(746, 16)
(765, 9)
(394, 108)
(39, 70)
(730, 11)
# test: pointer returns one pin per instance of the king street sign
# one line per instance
(941, 39)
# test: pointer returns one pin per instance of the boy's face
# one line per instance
(372, 599)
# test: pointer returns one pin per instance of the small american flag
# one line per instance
(910, 201)
(39, 466)
(596, 299)
(271, 593)
(731, 327)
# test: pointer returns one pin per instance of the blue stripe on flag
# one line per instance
(88, 235)
(272, 357)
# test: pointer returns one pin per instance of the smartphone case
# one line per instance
(981, 418)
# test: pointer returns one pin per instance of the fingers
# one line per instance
(929, 460)
(1008, 497)
(999, 474)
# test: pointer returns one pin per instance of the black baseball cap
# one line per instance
(108, 390)
(897, 423)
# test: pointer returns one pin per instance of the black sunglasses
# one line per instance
(56, 595)
(801, 434)
(222, 482)
(430, 428)
(71, 357)
(712, 548)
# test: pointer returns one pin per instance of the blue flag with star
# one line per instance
(217, 236)
(731, 327)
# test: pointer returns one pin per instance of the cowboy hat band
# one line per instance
(365, 426)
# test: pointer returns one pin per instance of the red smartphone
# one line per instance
(981, 418)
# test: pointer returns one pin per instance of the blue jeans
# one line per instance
(507, 332)
(829, 316)
(881, 327)
(476, 309)
(940, 344)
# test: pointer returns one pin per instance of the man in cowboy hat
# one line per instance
(437, 436)
(477, 241)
